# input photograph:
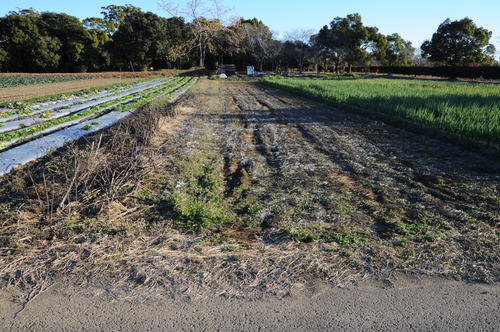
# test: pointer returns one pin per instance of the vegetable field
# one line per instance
(468, 110)
(14, 81)
(20, 126)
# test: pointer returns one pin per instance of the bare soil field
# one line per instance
(412, 200)
(284, 191)
(41, 90)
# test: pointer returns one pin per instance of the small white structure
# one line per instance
(250, 70)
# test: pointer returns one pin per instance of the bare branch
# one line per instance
(207, 21)
(301, 35)
(170, 7)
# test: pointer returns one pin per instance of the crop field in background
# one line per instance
(35, 120)
(468, 110)
(13, 81)
(15, 96)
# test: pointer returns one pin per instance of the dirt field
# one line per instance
(313, 197)
(41, 90)
(332, 172)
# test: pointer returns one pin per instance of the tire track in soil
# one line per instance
(255, 155)
(371, 137)
(322, 131)
(331, 136)
(291, 150)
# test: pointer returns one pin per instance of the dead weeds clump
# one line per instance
(71, 202)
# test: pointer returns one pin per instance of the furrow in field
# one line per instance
(296, 174)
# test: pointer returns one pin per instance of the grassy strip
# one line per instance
(195, 190)
(197, 196)
(468, 110)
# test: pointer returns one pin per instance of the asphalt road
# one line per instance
(405, 304)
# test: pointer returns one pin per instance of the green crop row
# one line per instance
(165, 90)
(468, 110)
(8, 82)
(139, 100)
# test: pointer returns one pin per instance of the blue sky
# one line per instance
(413, 20)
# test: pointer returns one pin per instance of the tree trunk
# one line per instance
(202, 60)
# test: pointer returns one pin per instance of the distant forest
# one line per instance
(125, 37)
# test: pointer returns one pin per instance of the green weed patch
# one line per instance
(197, 195)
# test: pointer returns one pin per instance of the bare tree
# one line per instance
(497, 53)
(298, 45)
(260, 43)
(420, 60)
(207, 22)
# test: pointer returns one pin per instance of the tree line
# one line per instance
(126, 38)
